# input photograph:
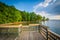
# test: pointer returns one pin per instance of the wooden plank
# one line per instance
(30, 35)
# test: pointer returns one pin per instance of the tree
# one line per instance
(47, 19)
(39, 18)
(9, 14)
(43, 18)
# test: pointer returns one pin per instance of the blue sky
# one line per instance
(47, 8)
(26, 5)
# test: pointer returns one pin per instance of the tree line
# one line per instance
(9, 14)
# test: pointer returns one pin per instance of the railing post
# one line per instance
(39, 28)
(47, 33)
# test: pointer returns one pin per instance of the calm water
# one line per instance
(53, 25)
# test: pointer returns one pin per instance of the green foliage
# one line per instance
(10, 14)
(39, 18)
(45, 19)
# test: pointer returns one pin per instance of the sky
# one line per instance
(48, 8)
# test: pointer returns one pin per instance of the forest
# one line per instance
(9, 14)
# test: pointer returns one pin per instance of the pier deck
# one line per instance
(30, 35)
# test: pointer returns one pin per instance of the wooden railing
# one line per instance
(48, 34)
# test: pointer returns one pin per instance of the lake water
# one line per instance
(54, 25)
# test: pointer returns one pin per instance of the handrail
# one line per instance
(48, 34)
(53, 35)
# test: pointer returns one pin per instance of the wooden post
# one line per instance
(39, 28)
(47, 33)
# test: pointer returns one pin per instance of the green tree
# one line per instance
(39, 18)
(10, 14)
(43, 18)
(47, 19)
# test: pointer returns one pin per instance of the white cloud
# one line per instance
(43, 13)
(55, 17)
(48, 15)
(56, 3)
(53, 1)
(43, 4)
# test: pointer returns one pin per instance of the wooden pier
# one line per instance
(30, 35)
(29, 32)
